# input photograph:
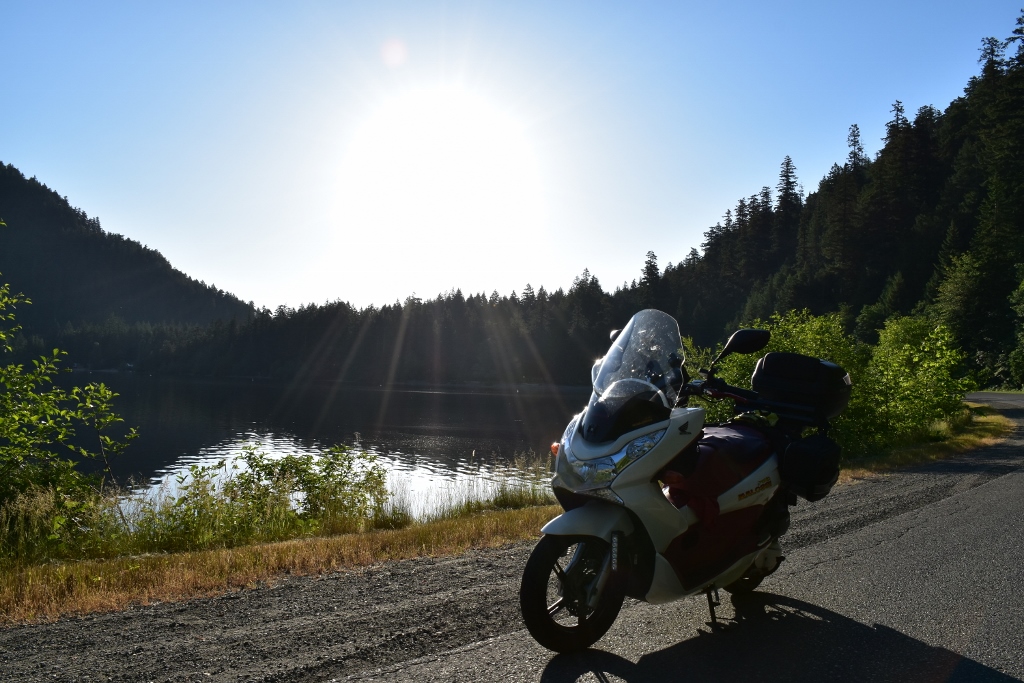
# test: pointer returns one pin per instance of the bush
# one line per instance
(258, 499)
(913, 378)
(915, 375)
(253, 500)
(50, 510)
(44, 500)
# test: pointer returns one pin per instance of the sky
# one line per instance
(305, 152)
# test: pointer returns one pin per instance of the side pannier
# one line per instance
(810, 466)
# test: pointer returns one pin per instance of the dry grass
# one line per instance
(46, 592)
(985, 429)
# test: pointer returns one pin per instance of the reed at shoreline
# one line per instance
(513, 510)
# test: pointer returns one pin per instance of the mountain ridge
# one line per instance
(76, 273)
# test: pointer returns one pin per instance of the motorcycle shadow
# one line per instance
(773, 638)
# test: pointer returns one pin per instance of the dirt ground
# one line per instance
(353, 623)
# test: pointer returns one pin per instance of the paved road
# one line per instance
(933, 594)
(914, 576)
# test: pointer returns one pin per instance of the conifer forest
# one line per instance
(932, 226)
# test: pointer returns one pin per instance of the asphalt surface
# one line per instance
(913, 576)
(931, 594)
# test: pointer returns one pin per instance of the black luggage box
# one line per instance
(815, 386)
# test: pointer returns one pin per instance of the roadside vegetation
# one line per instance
(974, 426)
(908, 387)
(72, 542)
(932, 311)
(48, 590)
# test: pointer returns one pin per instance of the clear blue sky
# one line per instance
(310, 151)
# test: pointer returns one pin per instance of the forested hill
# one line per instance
(77, 274)
(932, 226)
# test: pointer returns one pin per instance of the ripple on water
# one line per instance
(433, 473)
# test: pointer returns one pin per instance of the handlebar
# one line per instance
(715, 388)
(735, 393)
(712, 387)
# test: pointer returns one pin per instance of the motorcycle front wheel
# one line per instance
(561, 575)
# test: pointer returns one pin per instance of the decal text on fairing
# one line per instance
(761, 486)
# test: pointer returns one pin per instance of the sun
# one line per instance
(440, 170)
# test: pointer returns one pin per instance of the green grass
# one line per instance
(975, 427)
(513, 509)
(49, 591)
(110, 564)
(220, 506)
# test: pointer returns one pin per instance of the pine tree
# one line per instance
(788, 206)
(650, 282)
(856, 159)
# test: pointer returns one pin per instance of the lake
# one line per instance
(432, 440)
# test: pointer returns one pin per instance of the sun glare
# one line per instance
(444, 173)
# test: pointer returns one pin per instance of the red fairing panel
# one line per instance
(726, 456)
(704, 551)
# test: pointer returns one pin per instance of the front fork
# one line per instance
(596, 519)
(609, 568)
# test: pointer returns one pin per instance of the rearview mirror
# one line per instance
(745, 341)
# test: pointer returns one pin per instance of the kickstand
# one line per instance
(713, 602)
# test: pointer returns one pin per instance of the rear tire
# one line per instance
(753, 577)
(553, 594)
(746, 583)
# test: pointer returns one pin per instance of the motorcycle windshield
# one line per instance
(638, 380)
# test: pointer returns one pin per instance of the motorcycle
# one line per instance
(659, 506)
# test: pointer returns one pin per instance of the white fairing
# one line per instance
(638, 489)
(638, 380)
(665, 587)
(593, 519)
(757, 489)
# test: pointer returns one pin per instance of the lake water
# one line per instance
(432, 441)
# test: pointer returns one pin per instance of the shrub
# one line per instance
(50, 510)
(901, 387)
(259, 499)
(916, 375)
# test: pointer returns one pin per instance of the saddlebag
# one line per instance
(810, 466)
(806, 388)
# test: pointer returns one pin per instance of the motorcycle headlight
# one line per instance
(601, 472)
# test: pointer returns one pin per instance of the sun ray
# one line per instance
(340, 377)
(396, 357)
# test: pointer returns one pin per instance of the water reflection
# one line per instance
(423, 484)
(433, 442)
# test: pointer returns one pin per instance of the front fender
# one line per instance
(593, 519)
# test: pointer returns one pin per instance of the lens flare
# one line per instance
(394, 53)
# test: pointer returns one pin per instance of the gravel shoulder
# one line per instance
(356, 623)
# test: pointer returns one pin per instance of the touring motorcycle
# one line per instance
(658, 505)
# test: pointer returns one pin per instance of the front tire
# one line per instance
(559, 579)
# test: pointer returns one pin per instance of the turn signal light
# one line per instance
(554, 450)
